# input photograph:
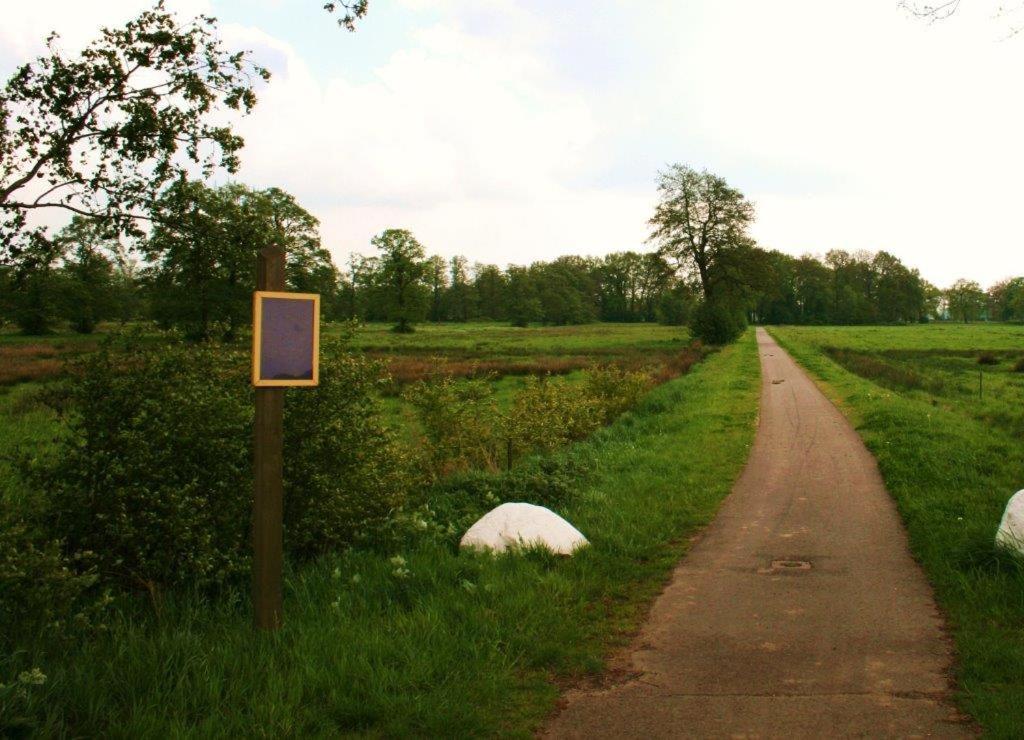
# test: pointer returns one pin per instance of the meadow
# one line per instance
(940, 407)
(423, 639)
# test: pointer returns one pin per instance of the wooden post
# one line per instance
(268, 468)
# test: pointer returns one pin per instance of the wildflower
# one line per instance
(336, 574)
(356, 578)
(34, 677)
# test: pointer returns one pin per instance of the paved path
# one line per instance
(798, 613)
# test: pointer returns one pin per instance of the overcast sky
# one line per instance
(513, 131)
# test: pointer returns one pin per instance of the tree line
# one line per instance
(195, 271)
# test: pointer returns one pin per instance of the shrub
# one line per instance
(154, 474)
(41, 591)
(546, 415)
(987, 358)
(615, 391)
(345, 476)
(1018, 367)
(457, 418)
(717, 322)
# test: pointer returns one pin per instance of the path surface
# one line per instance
(799, 612)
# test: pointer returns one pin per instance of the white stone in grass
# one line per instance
(523, 525)
(1011, 528)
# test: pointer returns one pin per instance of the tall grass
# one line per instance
(429, 641)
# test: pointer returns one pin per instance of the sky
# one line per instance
(512, 131)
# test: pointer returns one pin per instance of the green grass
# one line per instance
(494, 340)
(25, 426)
(951, 461)
(468, 644)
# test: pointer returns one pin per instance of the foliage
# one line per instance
(457, 419)
(154, 473)
(101, 134)
(966, 300)
(204, 246)
(345, 477)
(701, 223)
(42, 591)
(402, 269)
(717, 322)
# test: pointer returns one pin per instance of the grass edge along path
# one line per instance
(431, 642)
(950, 476)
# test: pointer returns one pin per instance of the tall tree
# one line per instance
(966, 300)
(402, 270)
(101, 134)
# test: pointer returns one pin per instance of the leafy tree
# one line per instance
(460, 293)
(700, 224)
(523, 305)
(490, 288)
(966, 300)
(1006, 300)
(349, 12)
(33, 286)
(204, 246)
(101, 134)
(437, 282)
(87, 278)
(401, 274)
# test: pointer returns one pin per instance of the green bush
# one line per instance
(154, 472)
(345, 476)
(457, 418)
(615, 390)
(717, 322)
(41, 591)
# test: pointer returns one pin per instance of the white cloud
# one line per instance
(511, 131)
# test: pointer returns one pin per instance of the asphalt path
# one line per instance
(798, 612)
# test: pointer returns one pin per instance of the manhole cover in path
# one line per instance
(790, 565)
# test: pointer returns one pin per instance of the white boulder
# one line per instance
(523, 525)
(1011, 528)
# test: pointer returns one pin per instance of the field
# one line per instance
(425, 641)
(942, 409)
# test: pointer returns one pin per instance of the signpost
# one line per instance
(286, 348)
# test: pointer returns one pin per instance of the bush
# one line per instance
(1018, 367)
(717, 322)
(987, 358)
(615, 391)
(546, 415)
(154, 474)
(41, 591)
(345, 476)
(457, 418)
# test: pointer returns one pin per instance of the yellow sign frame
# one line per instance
(257, 339)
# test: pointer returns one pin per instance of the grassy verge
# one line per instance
(951, 474)
(430, 642)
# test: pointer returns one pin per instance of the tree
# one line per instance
(32, 290)
(402, 270)
(437, 282)
(700, 224)
(350, 11)
(490, 287)
(86, 287)
(522, 305)
(203, 247)
(101, 134)
(966, 300)
(460, 294)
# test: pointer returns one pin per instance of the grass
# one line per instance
(951, 460)
(466, 644)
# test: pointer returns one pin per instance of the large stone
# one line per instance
(1011, 528)
(523, 525)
